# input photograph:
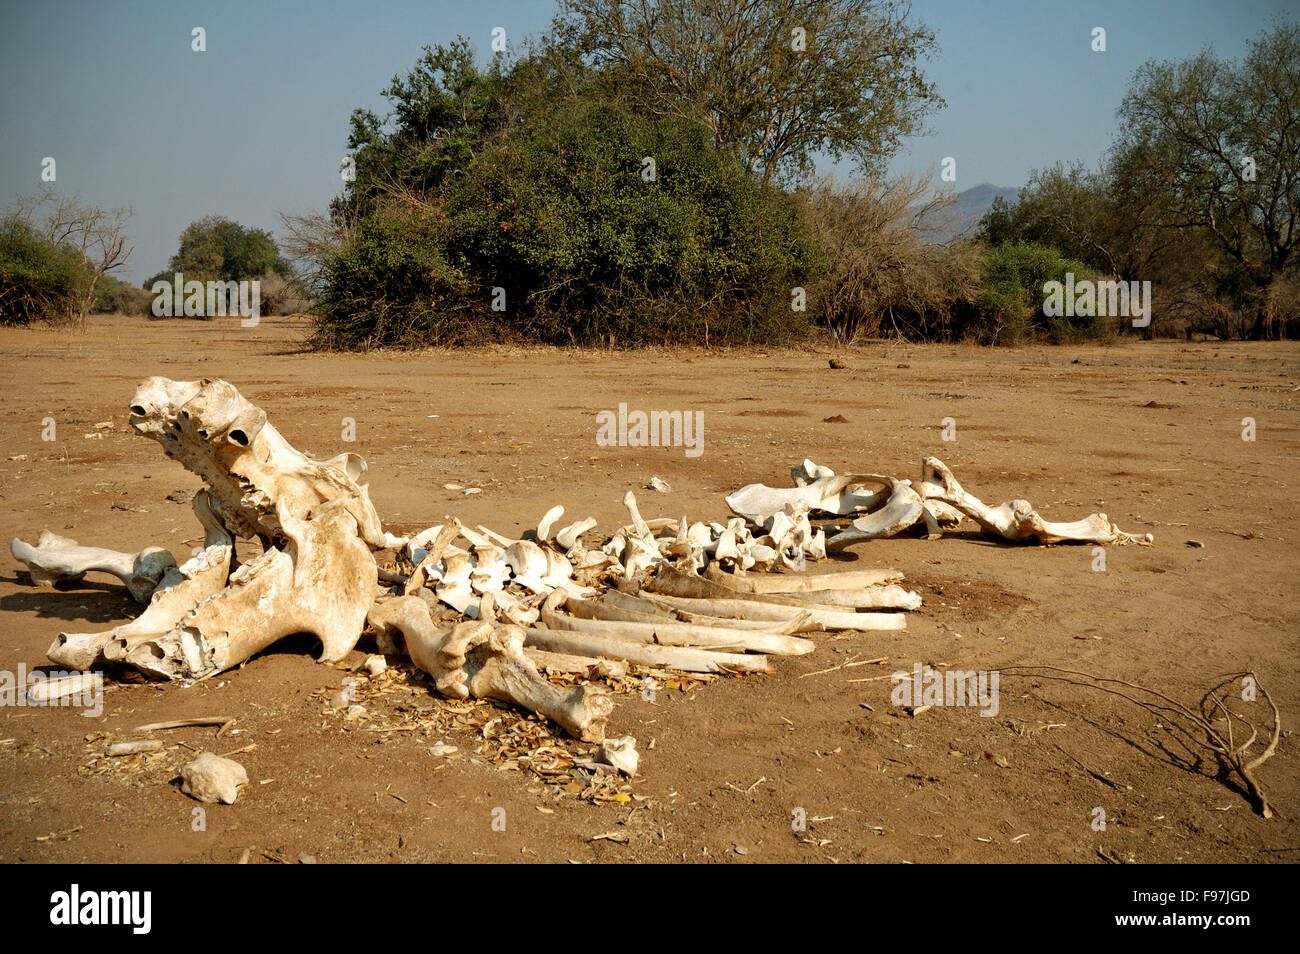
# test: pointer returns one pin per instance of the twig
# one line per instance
(1222, 744)
(847, 665)
(223, 721)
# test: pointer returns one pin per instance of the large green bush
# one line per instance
(1007, 307)
(38, 280)
(587, 246)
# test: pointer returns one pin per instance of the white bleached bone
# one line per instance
(683, 658)
(640, 609)
(321, 582)
(930, 488)
(832, 495)
(41, 691)
(248, 466)
(487, 661)
(490, 571)
(828, 618)
(673, 582)
(671, 633)
(548, 522)
(901, 509)
(1017, 519)
(620, 753)
(57, 559)
(453, 586)
(807, 472)
(211, 778)
(568, 537)
(540, 569)
(179, 591)
(578, 665)
(807, 583)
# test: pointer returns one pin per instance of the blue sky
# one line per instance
(257, 124)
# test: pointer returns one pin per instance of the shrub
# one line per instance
(1007, 307)
(391, 283)
(116, 297)
(885, 274)
(38, 280)
(560, 217)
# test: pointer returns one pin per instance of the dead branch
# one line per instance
(1234, 755)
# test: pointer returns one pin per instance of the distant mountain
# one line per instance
(973, 203)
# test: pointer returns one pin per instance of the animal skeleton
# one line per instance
(487, 619)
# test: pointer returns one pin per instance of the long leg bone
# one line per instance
(1017, 519)
(57, 559)
(803, 583)
(487, 660)
(682, 634)
(682, 658)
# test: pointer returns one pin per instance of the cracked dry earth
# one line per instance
(1149, 432)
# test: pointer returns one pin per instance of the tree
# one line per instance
(441, 113)
(775, 81)
(215, 248)
(38, 281)
(1219, 142)
(885, 274)
(91, 240)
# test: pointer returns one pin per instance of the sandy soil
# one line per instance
(1151, 433)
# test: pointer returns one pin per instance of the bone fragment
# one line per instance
(669, 657)
(210, 778)
(802, 583)
(57, 559)
(134, 748)
(47, 690)
(619, 752)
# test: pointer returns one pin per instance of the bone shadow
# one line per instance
(88, 601)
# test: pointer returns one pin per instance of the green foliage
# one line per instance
(38, 280)
(392, 285)
(559, 215)
(777, 81)
(1007, 307)
(1199, 195)
(216, 249)
(115, 297)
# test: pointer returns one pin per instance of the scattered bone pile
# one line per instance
(483, 614)
(937, 499)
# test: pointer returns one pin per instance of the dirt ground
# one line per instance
(1148, 432)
